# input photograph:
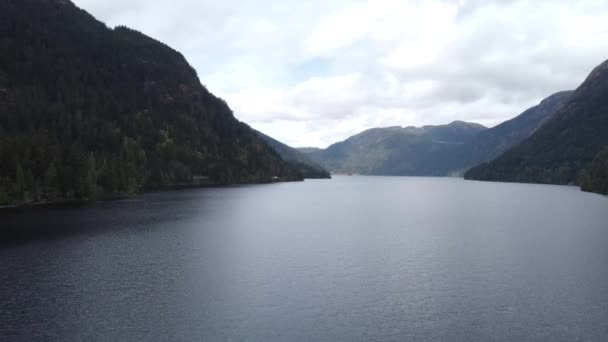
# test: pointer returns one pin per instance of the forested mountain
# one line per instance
(88, 111)
(562, 150)
(307, 167)
(412, 151)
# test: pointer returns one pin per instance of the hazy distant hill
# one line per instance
(397, 150)
(296, 159)
(308, 150)
(560, 150)
(88, 111)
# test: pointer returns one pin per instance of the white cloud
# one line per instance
(312, 73)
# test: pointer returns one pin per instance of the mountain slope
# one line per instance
(307, 167)
(88, 111)
(564, 146)
(492, 142)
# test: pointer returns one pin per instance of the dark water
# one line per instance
(351, 259)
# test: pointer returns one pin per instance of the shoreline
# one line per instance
(170, 187)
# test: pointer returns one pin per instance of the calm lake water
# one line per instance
(349, 259)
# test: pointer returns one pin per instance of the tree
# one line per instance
(51, 182)
(5, 197)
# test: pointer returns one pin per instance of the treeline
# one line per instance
(87, 111)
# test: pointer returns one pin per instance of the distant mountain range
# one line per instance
(446, 150)
(407, 151)
(562, 140)
(569, 148)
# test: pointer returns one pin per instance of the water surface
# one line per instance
(349, 259)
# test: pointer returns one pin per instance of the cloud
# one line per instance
(312, 73)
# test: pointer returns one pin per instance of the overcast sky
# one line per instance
(311, 73)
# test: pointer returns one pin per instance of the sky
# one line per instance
(312, 73)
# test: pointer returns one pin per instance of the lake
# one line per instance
(348, 259)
